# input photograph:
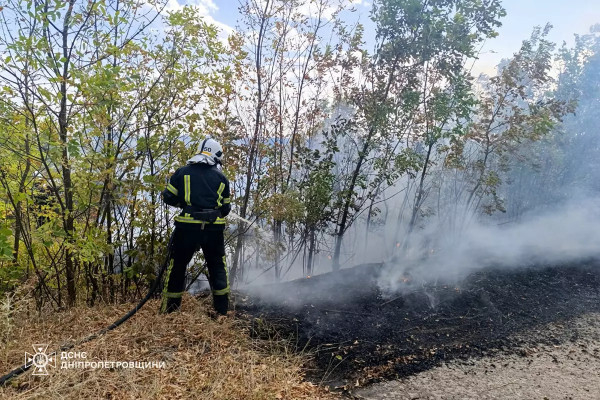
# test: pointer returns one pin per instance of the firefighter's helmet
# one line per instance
(209, 152)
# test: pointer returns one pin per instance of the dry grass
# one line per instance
(205, 359)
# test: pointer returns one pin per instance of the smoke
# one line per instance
(545, 210)
(562, 234)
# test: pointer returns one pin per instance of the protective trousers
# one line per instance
(186, 241)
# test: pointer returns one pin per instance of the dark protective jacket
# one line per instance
(196, 188)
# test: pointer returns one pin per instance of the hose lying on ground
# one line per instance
(18, 371)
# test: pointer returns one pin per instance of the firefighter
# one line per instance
(202, 192)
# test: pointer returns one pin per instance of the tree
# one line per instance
(279, 109)
(516, 108)
(105, 106)
(562, 165)
(416, 40)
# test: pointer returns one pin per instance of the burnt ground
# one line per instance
(359, 335)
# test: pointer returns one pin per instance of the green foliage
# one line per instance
(516, 109)
(92, 131)
(317, 195)
(283, 207)
(440, 31)
(316, 132)
(5, 245)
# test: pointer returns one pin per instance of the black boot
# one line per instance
(221, 303)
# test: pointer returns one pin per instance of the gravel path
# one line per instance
(562, 361)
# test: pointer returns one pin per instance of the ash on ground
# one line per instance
(361, 335)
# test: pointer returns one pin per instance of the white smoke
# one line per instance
(564, 234)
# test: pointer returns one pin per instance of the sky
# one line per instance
(567, 17)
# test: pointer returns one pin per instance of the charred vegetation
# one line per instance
(359, 334)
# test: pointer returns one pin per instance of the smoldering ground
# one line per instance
(462, 284)
(469, 298)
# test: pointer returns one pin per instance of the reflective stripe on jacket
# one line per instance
(197, 187)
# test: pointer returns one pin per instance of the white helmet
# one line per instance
(209, 152)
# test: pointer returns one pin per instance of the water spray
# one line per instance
(250, 223)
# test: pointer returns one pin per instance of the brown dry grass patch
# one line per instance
(204, 358)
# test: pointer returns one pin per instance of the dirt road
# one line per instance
(561, 361)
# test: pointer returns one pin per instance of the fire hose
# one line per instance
(19, 370)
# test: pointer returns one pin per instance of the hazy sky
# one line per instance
(567, 17)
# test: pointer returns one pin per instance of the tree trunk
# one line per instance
(17, 230)
(346, 210)
(311, 251)
(362, 155)
(418, 199)
(18, 216)
(69, 222)
(253, 145)
(277, 233)
(368, 225)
